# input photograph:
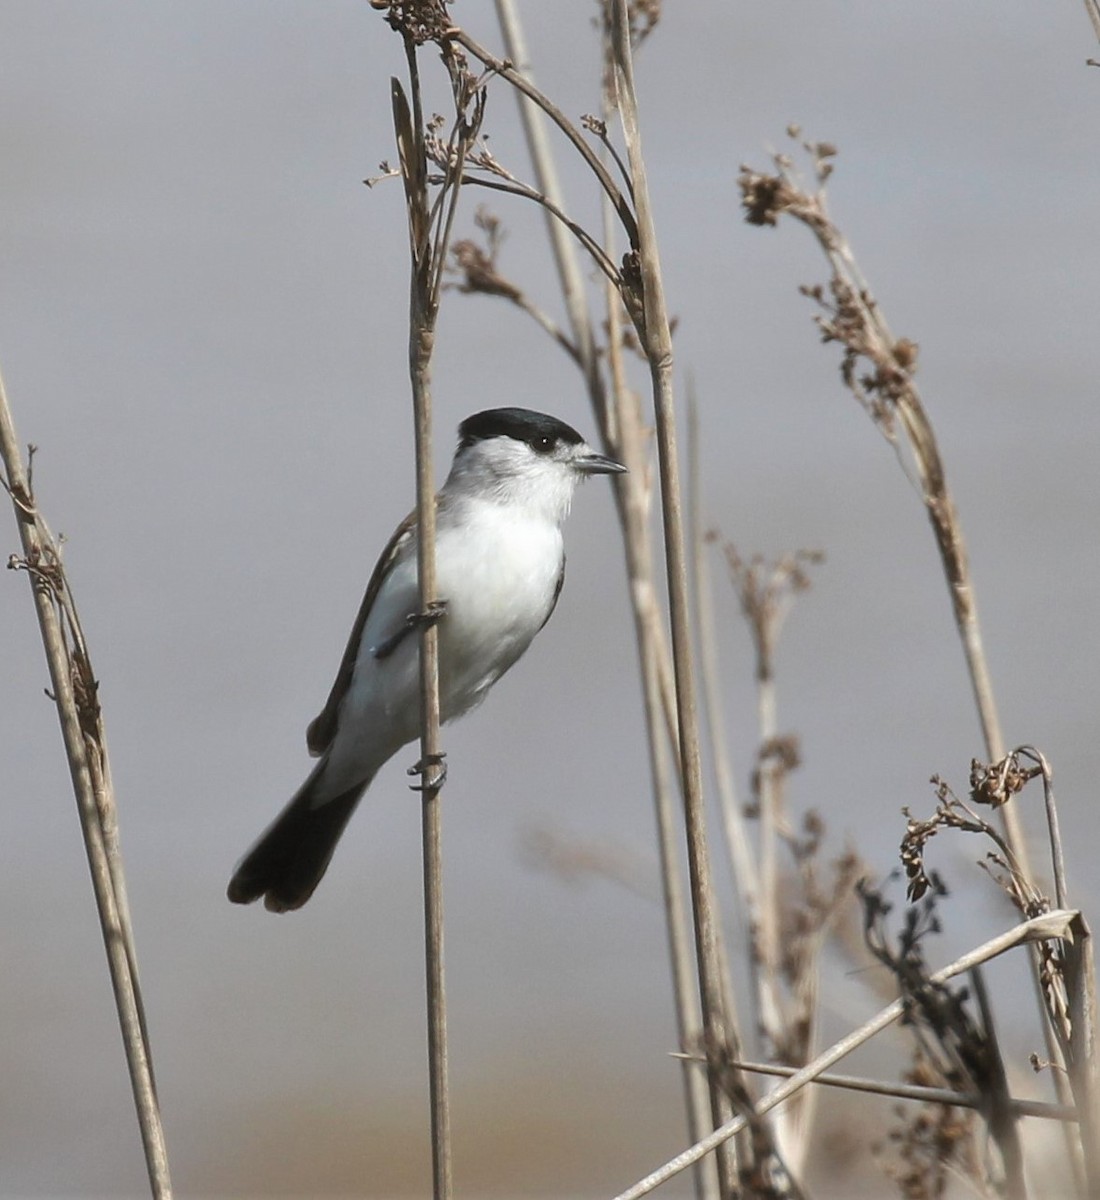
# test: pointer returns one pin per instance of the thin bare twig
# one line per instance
(74, 691)
(1056, 924)
(912, 1091)
(517, 79)
(546, 176)
(478, 268)
(517, 188)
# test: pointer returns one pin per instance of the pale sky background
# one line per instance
(202, 326)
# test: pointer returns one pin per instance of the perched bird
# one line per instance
(500, 564)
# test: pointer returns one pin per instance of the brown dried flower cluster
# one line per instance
(996, 784)
(478, 265)
(766, 591)
(991, 784)
(893, 362)
(419, 20)
(932, 1143)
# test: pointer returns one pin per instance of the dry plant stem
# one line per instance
(546, 177)
(1080, 1054)
(688, 1012)
(1082, 1069)
(768, 910)
(95, 801)
(879, 346)
(733, 823)
(620, 422)
(1093, 10)
(998, 1111)
(516, 188)
(881, 349)
(942, 514)
(933, 478)
(1057, 858)
(793, 1124)
(660, 726)
(658, 346)
(1059, 923)
(629, 491)
(742, 868)
(422, 313)
(633, 499)
(1083, 1065)
(688, 1016)
(521, 83)
(922, 1095)
(99, 767)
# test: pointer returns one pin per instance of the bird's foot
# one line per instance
(434, 610)
(432, 771)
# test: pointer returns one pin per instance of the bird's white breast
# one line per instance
(497, 567)
(498, 570)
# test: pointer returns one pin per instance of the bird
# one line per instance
(500, 566)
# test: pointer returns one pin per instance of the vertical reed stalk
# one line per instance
(546, 178)
(738, 846)
(74, 692)
(423, 309)
(657, 341)
(621, 425)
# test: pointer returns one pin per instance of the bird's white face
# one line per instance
(537, 475)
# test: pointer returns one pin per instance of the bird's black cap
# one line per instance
(519, 423)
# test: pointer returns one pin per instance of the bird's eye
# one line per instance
(543, 444)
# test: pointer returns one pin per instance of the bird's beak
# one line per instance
(591, 463)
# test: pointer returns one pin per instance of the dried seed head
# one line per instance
(995, 784)
(763, 197)
(420, 20)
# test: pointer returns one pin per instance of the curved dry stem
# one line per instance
(519, 81)
(1057, 858)
(516, 188)
(546, 176)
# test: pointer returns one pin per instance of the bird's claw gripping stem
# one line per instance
(424, 768)
(434, 610)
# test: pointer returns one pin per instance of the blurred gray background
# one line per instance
(202, 326)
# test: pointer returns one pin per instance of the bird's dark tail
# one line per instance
(289, 860)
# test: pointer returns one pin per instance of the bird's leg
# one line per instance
(429, 763)
(434, 610)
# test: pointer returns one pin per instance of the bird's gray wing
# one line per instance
(322, 729)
